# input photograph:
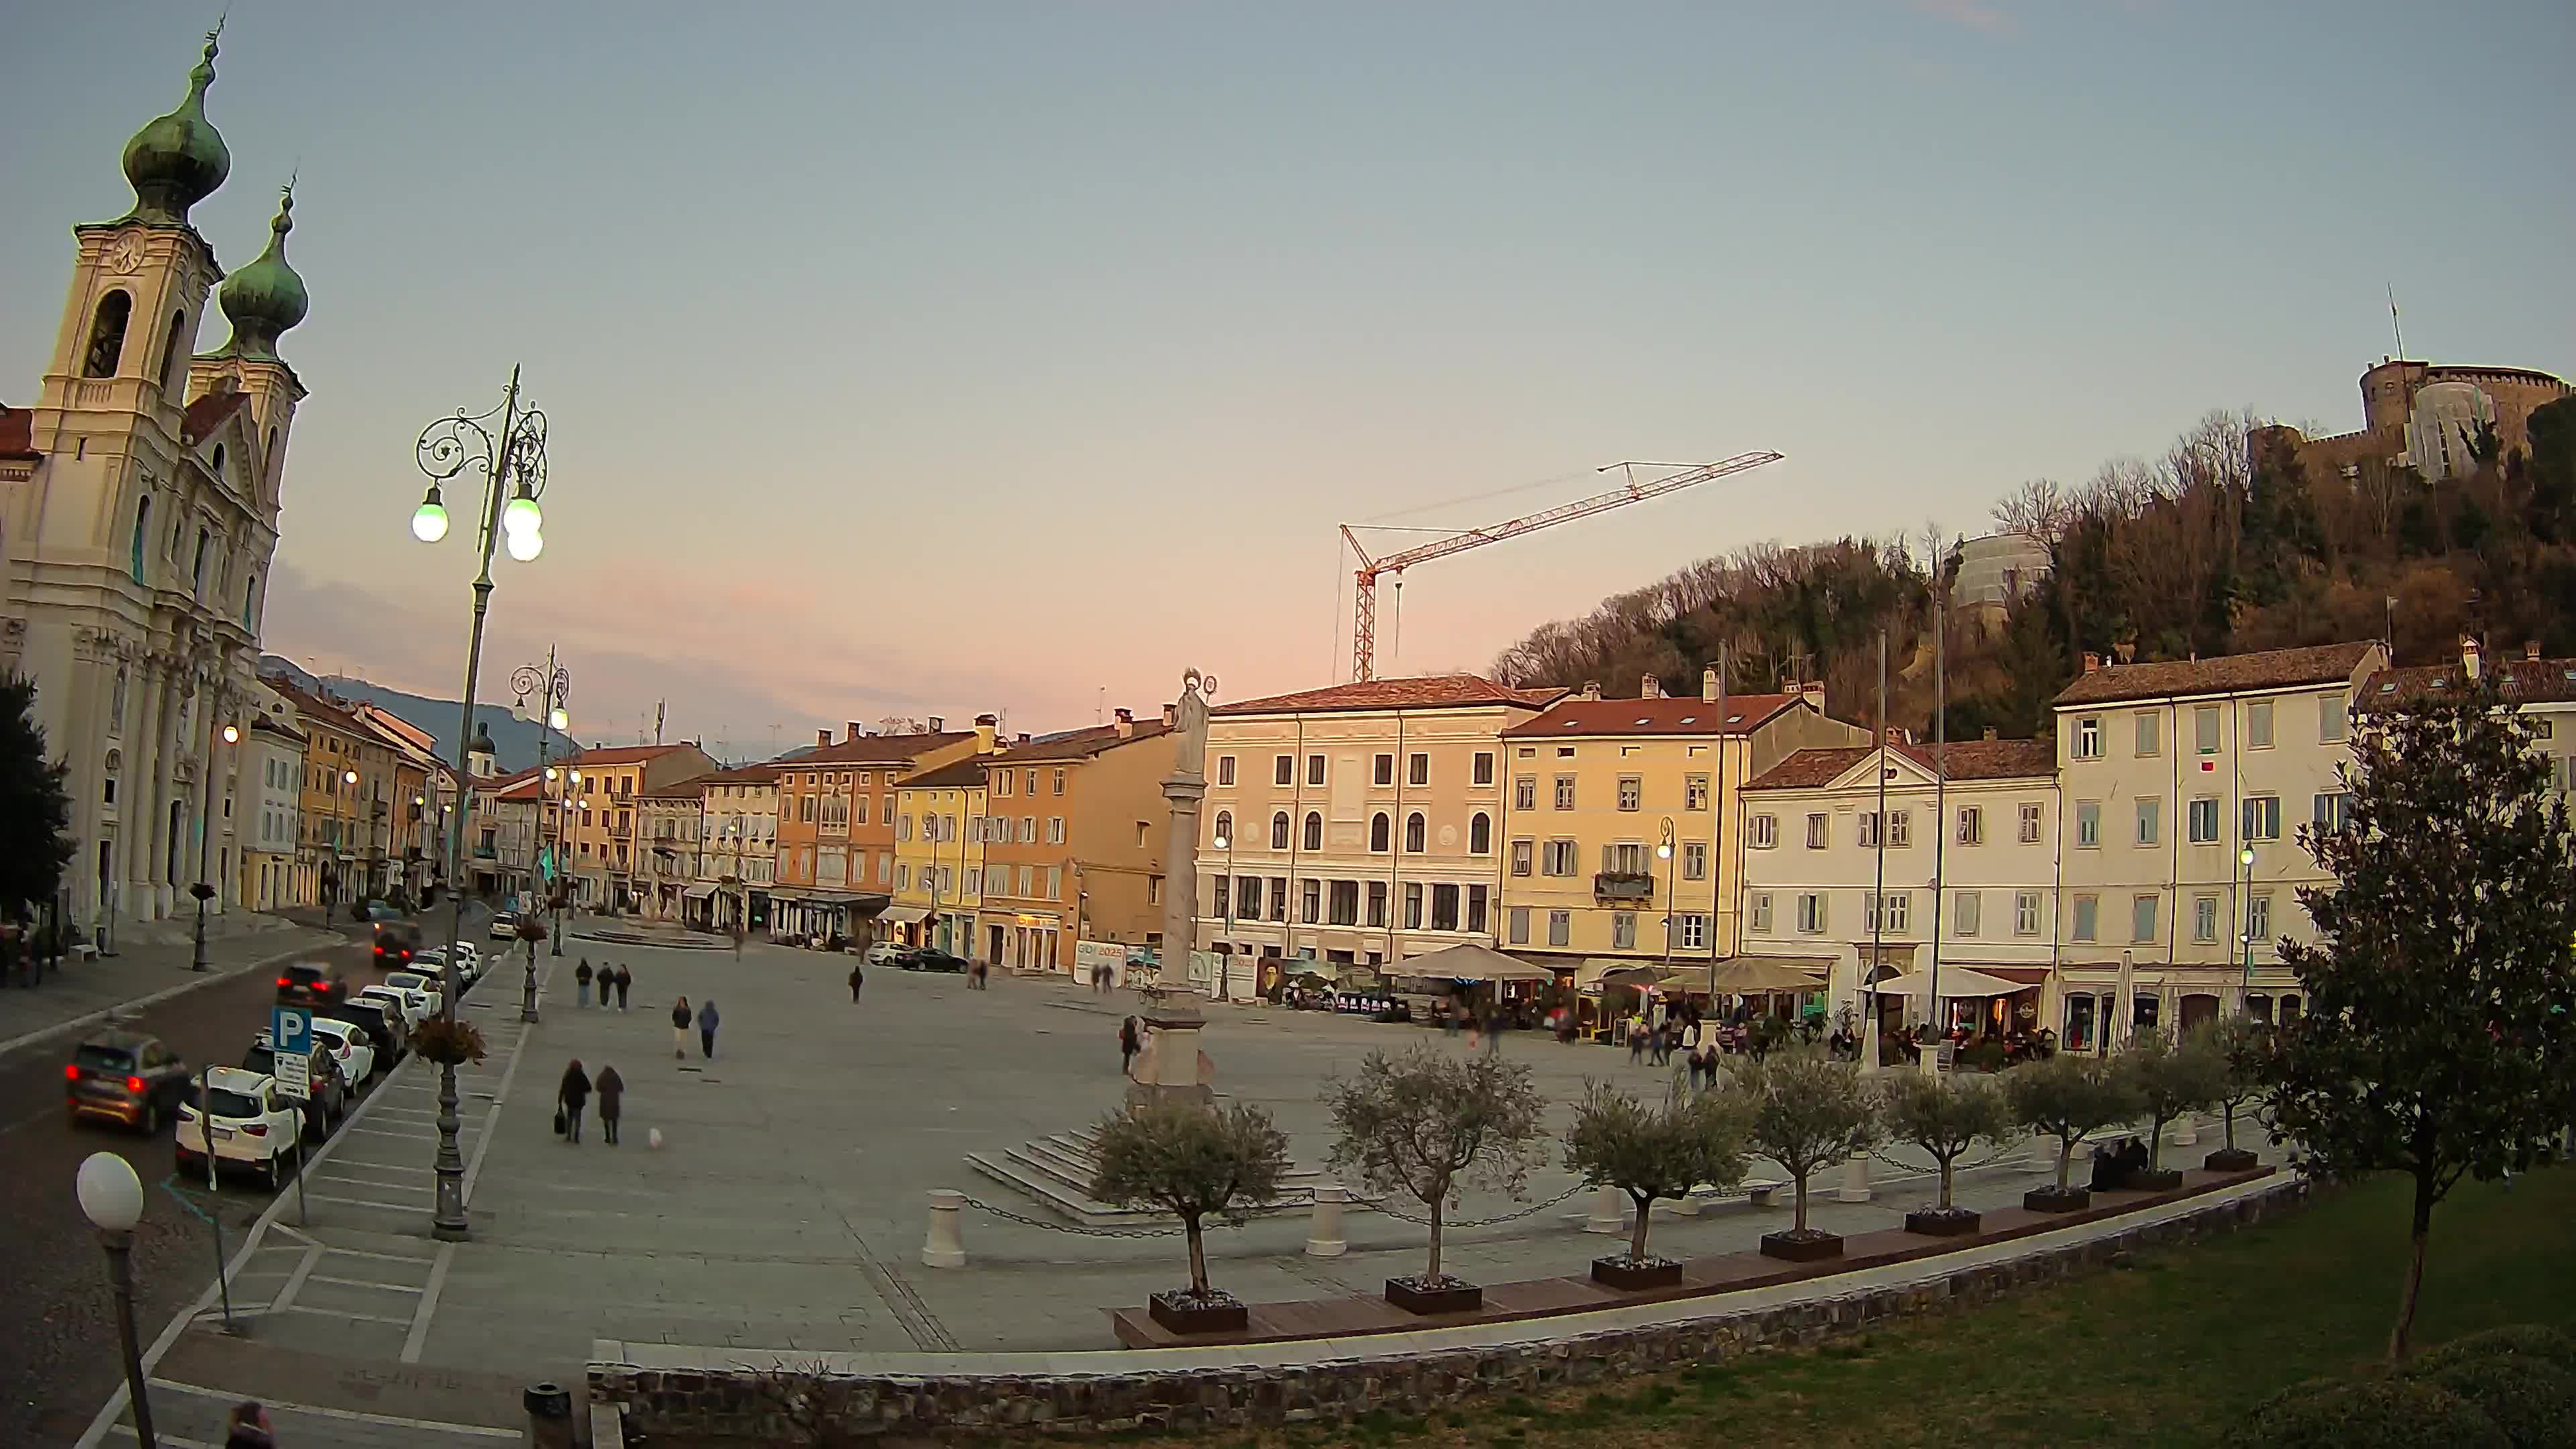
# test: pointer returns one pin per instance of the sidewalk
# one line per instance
(80, 992)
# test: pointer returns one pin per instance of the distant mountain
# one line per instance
(517, 743)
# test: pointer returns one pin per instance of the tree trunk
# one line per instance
(2227, 1123)
(2065, 1159)
(1637, 1239)
(2418, 1232)
(1431, 1274)
(1801, 1224)
(1198, 1254)
(1948, 1166)
(2156, 1143)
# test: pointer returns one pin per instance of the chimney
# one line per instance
(2531, 651)
(1990, 732)
(1022, 739)
(1650, 687)
(987, 726)
(852, 731)
(2469, 657)
(1126, 725)
(938, 725)
(1813, 691)
(2092, 662)
(1592, 689)
(1895, 735)
(1708, 685)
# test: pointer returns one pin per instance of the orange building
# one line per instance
(598, 796)
(836, 823)
(1074, 834)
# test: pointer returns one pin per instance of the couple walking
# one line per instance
(706, 1019)
(616, 978)
(573, 1094)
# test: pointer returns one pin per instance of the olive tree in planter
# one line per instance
(1652, 1152)
(1806, 1111)
(1945, 1116)
(2242, 1044)
(1194, 1163)
(2168, 1076)
(1425, 1124)
(2067, 1096)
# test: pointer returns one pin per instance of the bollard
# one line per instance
(1324, 1236)
(1686, 1206)
(549, 1409)
(2186, 1131)
(945, 1247)
(1855, 1186)
(1609, 1211)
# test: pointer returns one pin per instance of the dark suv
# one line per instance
(395, 943)
(326, 1098)
(311, 985)
(125, 1076)
(383, 1032)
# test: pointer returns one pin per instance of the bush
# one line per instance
(2512, 1341)
(2377, 1413)
(2532, 1400)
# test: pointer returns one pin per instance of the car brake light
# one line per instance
(255, 1129)
(72, 1073)
(285, 981)
(134, 1084)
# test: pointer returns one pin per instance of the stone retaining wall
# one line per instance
(732, 1402)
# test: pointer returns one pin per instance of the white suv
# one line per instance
(356, 1054)
(424, 986)
(409, 1007)
(247, 1118)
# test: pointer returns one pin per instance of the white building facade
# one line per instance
(267, 817)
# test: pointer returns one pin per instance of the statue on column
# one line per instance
(1190, 725)
(1172, 1067)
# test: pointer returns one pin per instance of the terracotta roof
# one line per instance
(335, 713)
(18, 434)
(623, 754)
(2529, 681)
(1964, 760)
(208, 413)
(2226, 674)
(1438, 691)
(275, 726)
(1079, 744)
(692, 788)
(761, 774)
(958, 774)
(1574, 717)
(875, 749)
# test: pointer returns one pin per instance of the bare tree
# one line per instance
(2039, 508)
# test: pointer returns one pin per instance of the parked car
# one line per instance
(884, 953)
(427, 987)
(930, 958)
(350, 1047)
(407, 1008)
(310, 983)
(326, 1092)
(383, 1023)
(236, 1116)
(469, 962)
(505, 926)
(126, 1077)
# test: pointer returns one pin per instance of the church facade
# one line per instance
(139, 500)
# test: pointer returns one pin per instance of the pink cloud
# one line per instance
(1965, 12)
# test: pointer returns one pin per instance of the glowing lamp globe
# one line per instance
(522, 516)
(561, 721)
(429, 520)
(526, 546)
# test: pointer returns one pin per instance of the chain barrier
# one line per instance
(1382, 1205)
(2005, 1152)
(1025, 1220)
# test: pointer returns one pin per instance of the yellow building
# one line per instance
(939, 855)
(1622, 837)
(348, 773)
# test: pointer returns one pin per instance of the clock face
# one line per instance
(125, 254)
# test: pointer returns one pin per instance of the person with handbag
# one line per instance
(570, 1097)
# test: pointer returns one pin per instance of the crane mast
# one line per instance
(1364, 596)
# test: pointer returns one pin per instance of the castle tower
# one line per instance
(137, 544)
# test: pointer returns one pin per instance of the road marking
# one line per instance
(388, 1167)
(379, 1257)
(382, 1132)
(477, 1431)
(295, 1280)
(492, 1119)
(352, 1317)
(366, 1283)
(159, 1437)
(390, 1207)
(427, 1308)
(363, 1181)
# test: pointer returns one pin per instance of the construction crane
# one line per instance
(1364, 598)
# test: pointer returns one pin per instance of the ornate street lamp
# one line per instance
(554, 684)
(111, 1197)
(203, 892)
(513, 463)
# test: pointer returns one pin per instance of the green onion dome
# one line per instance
(179, 159)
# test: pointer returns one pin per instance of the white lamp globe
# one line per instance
(522, 515)
(561, 721)
(526, 545)
(429, 520)
(111, 1196)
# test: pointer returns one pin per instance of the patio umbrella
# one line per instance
(1757, 975)
(1470, 962)
(1956, 981)
(2124, 1009)
(1634, 976)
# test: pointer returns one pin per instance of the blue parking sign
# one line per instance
(290, 1030)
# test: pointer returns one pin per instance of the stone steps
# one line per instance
(1055, 1172)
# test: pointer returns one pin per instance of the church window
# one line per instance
(250, 596)
(107, 335)
(170, 351)
(142, 530)
(197, 571)
(219, 460)
(116, 706)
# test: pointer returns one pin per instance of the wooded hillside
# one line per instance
(2218, 546)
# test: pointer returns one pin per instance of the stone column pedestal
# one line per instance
(945, 1246)
(1324, 1237)
(1855, 1186)
(1609, 1211)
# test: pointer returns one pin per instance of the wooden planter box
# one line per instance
(2158, 1180)
(1815, 1247)
(1449, 1297)
(1637, 1273)
(1186, 1313)
(2052, 1200)
(1954, 1222)
(2229, 1159)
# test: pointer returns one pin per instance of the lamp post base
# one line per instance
(197, 961)
(120, 1275)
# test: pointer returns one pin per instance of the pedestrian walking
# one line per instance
(1494, 1033)
(247, 1427)
(581, 978)
(612, 1087)
(571, 1096)
(625, 983)
(858, 978)
(707, 1029)
(1636, 1039)
(680, 1030)
(1130, 1042)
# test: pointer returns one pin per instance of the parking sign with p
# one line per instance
(290, 1034)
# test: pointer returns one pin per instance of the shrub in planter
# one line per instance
(2533, 1401)
(1426, 1123)
(1805, 1111)
(1945, 1116)
(2065, 1097)
(1665, 1151)
(2242, 1044)
(2372, 1413)
(1192, 1162)
(448, 1043)
(2169, 1077)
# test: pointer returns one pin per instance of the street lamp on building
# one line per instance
(111, 1197)
(1225, 842)
(512, 461)
(1672, 912)
(231, 734)
(2245, 917)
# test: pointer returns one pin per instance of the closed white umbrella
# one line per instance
(2124, 1010)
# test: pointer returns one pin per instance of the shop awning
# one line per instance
(1468, 961)
(903, 915)
(1758, 975)
(1955, 981)
(698, 892)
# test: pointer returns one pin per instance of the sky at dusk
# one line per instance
(935, 359)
